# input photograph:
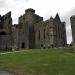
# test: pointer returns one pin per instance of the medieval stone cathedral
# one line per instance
(31, 32)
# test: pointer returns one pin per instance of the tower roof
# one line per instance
(73, 16)
(51, 17)
(57, 17)
(30, 10)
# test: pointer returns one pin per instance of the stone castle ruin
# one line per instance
(72, 19)
(31, 32)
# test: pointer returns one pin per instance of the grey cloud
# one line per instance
(22, 0)
(2, 3)
(66, 18)
(69, 34)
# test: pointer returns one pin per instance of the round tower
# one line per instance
(73, 29)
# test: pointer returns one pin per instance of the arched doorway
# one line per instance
(23, 45)
(52, 45)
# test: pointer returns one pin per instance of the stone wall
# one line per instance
(31, 32)
(50, 33)
(27, 21)
(73, 29)
(5, 32)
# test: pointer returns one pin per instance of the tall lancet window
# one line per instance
(44, 34)
(39, 34)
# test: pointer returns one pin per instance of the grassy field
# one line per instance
(39, 62)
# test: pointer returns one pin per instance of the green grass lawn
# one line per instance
(39, 62)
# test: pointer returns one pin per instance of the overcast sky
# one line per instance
(44, 8)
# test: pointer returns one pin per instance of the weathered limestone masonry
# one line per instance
(5, 31)
(50, 33)
(73, 29)
(25, 31)
(31, 32)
